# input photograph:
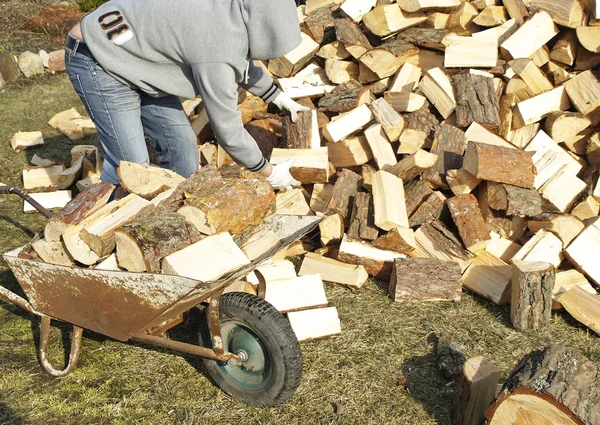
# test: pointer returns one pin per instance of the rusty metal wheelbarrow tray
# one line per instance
(121, 304)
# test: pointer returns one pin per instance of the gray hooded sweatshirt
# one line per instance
(197, 47)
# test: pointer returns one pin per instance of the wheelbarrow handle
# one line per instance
(43, 349)
(6, 190)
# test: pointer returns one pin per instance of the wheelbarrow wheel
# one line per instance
(271, 358)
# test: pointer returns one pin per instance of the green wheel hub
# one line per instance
(255, 371)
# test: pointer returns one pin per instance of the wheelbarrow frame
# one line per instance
(30, 273)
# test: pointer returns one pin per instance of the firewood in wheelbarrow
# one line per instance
(145, 180)
(86, 203)
(145, 240)
(555, 385)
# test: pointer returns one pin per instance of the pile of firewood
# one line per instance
(449, 144)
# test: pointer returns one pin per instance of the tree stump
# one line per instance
(554, 386)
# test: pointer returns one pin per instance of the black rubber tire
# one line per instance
(277, 337)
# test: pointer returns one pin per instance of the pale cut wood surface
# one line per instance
(489, 277)
(299, 293)
(333, 271)
(316, 323)
(388, 199)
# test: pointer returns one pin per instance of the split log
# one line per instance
(476, 390)
(300, 135)
(491, 16)
(356, 9)
(584, 92)
(583, 303)
(391, 122)
(531, 299)
(514, 200)
(98, 231)
(437, 86)
(52, 252)
(350, 152)
(320, 197)
(311, 81)
(334, 50)
(549, 386)
(109, 263)
(568, 13)
(206, 260)
(386, 19)
(83, 205)
(145, 180)
(499, 33)
(467, 52)
(566, 227)
(461, 181)
(588, 38)
(405, 101)
(565, 49)
(377, 262)
(582, 251)
(354, 40)
(421, 279)
(264, 133)
(489, 277)
(333, 271)
(345, 97)
(291, 62)
(347, 124)
(197, 217)
(469, 221)
(407, 78)
(562, 189)
(48, 200)
(315, 323)
(435, 240)
(260, 243)
(535, 109)
(437, 20)
(380, 145)
(344, 191)
(291, 202)
(385, 59)
(429, 38)
(299, 293)
(564, 126)
(502, 248)
(362, 223)
(588, 208)
(41, 160)
(449, 145)
(461, 19)
(502, 165)
(397, 239)
(416, 5)
(536, 80)
(431, 207)
(416, 192)
(38, 177)
(331, 229)
(310, 166)
(565, 280)
(413, 165)
(543, 246)
(388, 201)
(144, 241)
(25, 139)
(477, 100)
(72, 174)
(537, 31)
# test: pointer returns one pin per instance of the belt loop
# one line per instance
(76, 46)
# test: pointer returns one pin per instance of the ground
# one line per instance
(379, 370)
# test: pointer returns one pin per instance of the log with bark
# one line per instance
(422, 279)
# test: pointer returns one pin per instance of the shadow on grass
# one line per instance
(18, 225)
(425, 384)
(8, 417)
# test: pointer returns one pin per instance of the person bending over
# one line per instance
(130, 61)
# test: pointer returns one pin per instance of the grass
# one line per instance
(349, 379)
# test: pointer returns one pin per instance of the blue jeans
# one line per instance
(123, 115)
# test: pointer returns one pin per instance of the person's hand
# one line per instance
(283, 101)
(280, 178)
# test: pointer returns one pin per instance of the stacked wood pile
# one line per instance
(458, 140)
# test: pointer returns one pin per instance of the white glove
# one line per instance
(280, 178)
(283, 101)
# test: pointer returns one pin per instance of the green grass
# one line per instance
(349, 379)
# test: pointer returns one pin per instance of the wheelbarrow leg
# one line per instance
(214, 323)
(43, 350)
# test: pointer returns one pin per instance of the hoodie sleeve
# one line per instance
(260, 83)
(218, 88)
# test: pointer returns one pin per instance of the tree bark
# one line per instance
(476, 100)
(554, 385)
(345, 97)
(449, 145)
(354, 40)
(362, 221)
(298, 135)
(432, 207)
(476, 391)
(416, 192)
(514, 200)
(344, 191)
(425, 279)
(531, 300)
(322, 25)
(469, 221)
(429, 38)
(445, 239)
(148, 238)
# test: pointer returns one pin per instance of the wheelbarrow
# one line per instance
(249, 349)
